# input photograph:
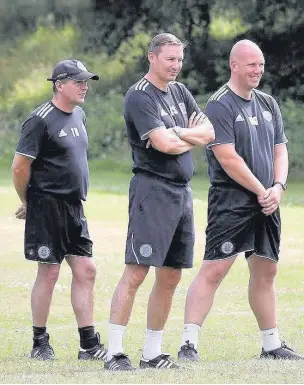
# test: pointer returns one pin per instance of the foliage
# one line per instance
(112, 37)
(293, 116)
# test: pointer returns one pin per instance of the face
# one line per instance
(167, 62)
(248, 68)
(73, 91)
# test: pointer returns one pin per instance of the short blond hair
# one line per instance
(162, 39)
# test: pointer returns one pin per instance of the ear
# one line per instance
(233, 65)
(58, 85)
(151, 57)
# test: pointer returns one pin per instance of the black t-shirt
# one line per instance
(253, 126)
(147, 108)
(57, 141)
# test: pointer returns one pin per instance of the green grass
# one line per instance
(230, 341)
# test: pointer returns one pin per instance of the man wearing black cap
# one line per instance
(50, 173)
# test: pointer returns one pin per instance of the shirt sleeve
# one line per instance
(142, 111)
(280, 136)
(222, 121)
(32, 134)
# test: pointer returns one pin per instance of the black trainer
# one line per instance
(163, 361)
(119, 361)
(97, 352)
(188, 353)
(43, 351)
(282, 353)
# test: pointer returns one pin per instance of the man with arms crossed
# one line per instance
(50, 172)
(160, 115)
(248, 167)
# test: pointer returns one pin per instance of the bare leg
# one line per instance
(201, 292)
(82, 290)
(261, 291)
(42, 292)
(166, 281)
(123, 297)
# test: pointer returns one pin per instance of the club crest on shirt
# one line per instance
(267, 116)
(227, 248)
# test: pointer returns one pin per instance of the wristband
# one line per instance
(284, 186)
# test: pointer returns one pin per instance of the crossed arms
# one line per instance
(177, 140)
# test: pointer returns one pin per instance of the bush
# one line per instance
(293, 117)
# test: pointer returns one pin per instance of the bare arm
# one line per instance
(168, 142)
(280, 163)
(236, 168)
(275, 193)
(21, 169)
(200, 131)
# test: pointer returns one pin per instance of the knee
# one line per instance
(134, 277)
(214, 275)
(170, 279)
(85, 272)
(265, 276)
(49, 274)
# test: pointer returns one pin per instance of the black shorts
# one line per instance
(161, 228)
(236, 224)
(54, 229)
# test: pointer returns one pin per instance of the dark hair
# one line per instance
(54, 84)
(162, 39)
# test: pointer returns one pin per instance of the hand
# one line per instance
(271, 200)
(21, 212)
(196, 119)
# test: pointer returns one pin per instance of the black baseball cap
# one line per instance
(71, 69)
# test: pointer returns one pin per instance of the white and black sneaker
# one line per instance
(119, 361)
(43, 350)
(163, 361)
(282, 353)
(97, 352)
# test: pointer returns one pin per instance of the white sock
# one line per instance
(270, 339)
(153, 344)
(116, 333)
(190, 333)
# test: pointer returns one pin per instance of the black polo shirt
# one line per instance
(147, 108)
(253, 126)
(57, 142)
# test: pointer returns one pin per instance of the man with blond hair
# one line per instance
(248, 167)
(164, 124)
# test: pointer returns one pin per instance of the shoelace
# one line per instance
(189, 347)
(123, 360)
(44, 351)
(284, 346)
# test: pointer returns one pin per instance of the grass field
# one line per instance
(230, 340)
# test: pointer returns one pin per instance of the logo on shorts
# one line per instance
(44, 252)
(227, 248)
(145, 250)
(267, 116)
